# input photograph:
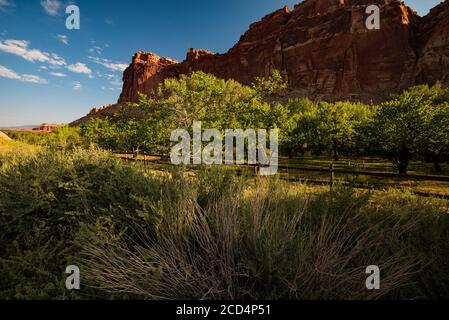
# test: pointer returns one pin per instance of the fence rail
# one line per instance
(331, 171)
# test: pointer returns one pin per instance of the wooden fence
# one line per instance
(330, 171)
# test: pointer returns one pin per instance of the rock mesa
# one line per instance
(325, 50)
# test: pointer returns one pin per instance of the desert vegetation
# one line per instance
(141, 232)
(214, 235)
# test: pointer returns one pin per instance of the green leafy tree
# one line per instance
(271, 87)
(412, 124)
(102, 132)
(327, 127)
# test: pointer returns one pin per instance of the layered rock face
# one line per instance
(433, 46)
(324, 49)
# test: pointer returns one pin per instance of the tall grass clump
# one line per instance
(271, 241)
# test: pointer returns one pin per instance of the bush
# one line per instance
(44, 199)
(62, 137)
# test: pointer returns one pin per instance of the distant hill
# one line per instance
(44, 127)
(19, 128)
(4, 136)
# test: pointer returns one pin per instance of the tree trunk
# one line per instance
(402, 167)
(336, 153)
(436, 161)
(403, 161)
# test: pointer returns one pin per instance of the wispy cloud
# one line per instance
(6, 5)
(77, 86)
(110, 88)
(114, 80)
(10, 74)
(109, 21)
(64, 39)
(58, 74)
(79, 68)
(96, 50)
(21, 48)
(114, 66)
(33, 79)
(51, 7)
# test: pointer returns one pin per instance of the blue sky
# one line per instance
(51, 74)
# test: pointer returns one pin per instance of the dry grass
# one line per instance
(266, 241)
(7, 146)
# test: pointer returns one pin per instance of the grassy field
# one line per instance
(292, 172)
(137, 232)
(13, 146)
(295, 172)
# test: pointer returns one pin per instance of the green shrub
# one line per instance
(44, 199)
(62, 137)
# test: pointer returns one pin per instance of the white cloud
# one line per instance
(79, 68)
(113, 78)
(77, 86)
(109, 64)
(33, 79)
(6, 5)
(110, 76)
(109, 21)
(10, 74)
(64, 39)
(21, 48)
(58, 74)
(95, 50)
(51, 6)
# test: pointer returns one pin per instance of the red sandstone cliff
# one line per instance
(433, 46)
(324, 49)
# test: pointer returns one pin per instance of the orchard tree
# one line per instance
(271, 87)
(102, 132)
(412, 124)
(435, 137)
(328, 127)
(303, 118)
(217, 103)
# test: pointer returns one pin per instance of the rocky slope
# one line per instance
(325, 50)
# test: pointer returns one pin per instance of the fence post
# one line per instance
(256, 170)
(332, 178)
